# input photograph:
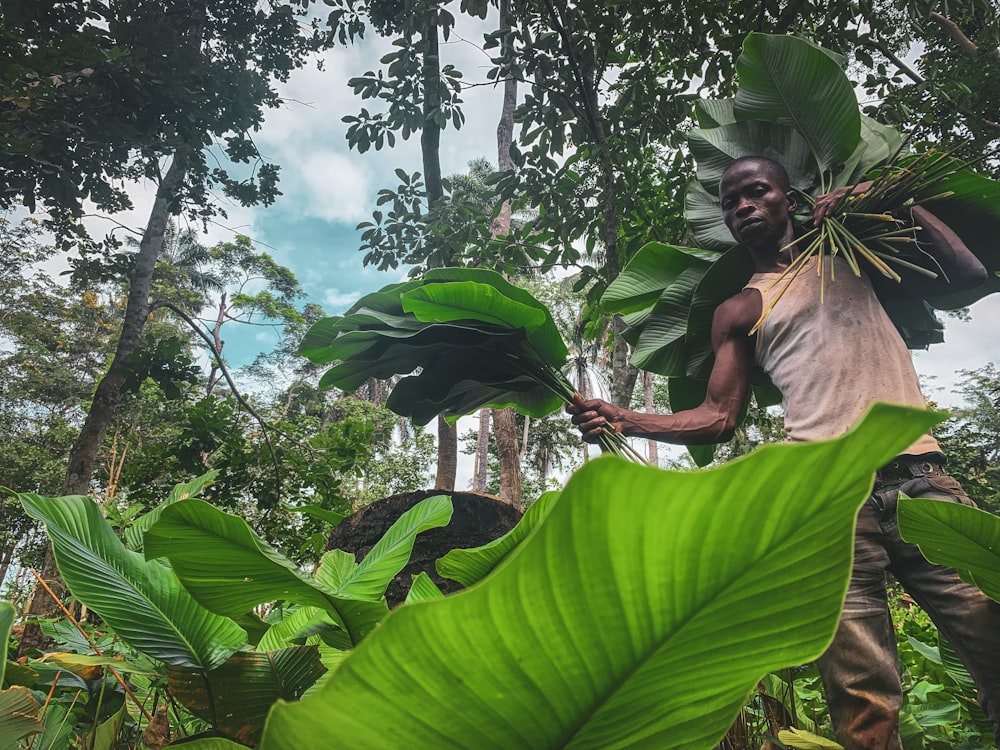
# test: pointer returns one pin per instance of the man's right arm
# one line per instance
(715, 420)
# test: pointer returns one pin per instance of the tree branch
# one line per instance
(788, 16)
(952, 29)
(265, 425)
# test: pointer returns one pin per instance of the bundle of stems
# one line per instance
(611, 439)
(863, 225)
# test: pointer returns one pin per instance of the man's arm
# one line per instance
(957, 269)
(715, 420)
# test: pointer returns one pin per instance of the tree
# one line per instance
(420, 95)
(971, 438)
(98, 93)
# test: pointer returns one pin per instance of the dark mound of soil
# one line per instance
(475, 520)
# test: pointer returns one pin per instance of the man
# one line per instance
(831, 360)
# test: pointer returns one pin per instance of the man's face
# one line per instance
(755, 208)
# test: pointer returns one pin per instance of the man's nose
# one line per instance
(744, 207)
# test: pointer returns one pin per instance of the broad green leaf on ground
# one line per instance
(799, 738)
(6, 623)
(296, 626)
(638, 614)
(18, 717)
(792, 82)
(142, 601)
(105, 734)
(229, 568)
(955, 535)
(236, 696)
(469, 566)
(422, 588)
(133, 534)
(370, 577)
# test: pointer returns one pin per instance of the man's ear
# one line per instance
(792, 202)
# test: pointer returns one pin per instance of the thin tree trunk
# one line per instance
(505, 430)
(213, 374)
(447, 466)
(647, 390)
(505, 421)
(482, 452)
(83, 454)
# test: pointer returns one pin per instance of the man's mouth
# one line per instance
(752, 221)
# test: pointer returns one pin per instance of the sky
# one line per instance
(327, 189)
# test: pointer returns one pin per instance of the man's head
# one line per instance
(757, 201)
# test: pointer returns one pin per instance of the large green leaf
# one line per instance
(228, 568)
(296, 626)
(959, 536)
(142, 601)
(546, 339)
(133, 534)
(459, 385)
(236, 696)
(792, 82)
(652, 269)
(704, 217)
(661, 345)
(638, 614)
(6, 623)
(446, 303)
(18, 717)
(715, 149)
(469, 566)
(369, 578)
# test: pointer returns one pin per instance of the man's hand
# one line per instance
(591, 416)
(827, 203)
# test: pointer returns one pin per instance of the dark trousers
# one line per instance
(859, 670)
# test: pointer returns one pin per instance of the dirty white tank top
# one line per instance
(832, 360)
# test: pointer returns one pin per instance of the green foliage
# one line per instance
(94, 97)
(144, 603)
(630, 546)
(958, 536)
(480, 341)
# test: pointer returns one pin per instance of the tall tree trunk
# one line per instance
(83, 454)
(505, 420)
(430, 152)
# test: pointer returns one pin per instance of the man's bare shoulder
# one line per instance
(739, 313)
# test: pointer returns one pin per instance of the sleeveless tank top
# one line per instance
(833, 359)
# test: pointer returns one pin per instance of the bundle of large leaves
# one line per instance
(464, 338)
(796, 106)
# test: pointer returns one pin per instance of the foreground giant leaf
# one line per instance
(638, 614)
(955, 535)
(143, 602)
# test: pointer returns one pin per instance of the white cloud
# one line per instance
(337, 300)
